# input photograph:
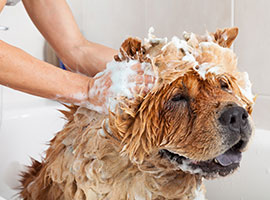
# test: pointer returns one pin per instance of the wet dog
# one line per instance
(194, 123)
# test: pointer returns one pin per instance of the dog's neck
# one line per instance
(112, 175)
(152, 179)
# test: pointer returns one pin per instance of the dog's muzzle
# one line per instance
(235, 126)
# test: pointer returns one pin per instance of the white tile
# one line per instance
(76, 8)
(110, 22)
(252, 45)
(261, 112)
(172, 17)
(22, 32)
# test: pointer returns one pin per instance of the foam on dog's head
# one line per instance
(207, 55)
(195, 60)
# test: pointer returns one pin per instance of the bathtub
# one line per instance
(27, 127)
(28, 123)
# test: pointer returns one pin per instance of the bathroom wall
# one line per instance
(22, 33)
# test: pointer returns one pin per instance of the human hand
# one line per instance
(120, 79)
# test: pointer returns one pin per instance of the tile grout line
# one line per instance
(83, 21)
(232, 12)
(232, 18)
(145, 17)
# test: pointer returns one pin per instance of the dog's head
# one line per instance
(196, 118)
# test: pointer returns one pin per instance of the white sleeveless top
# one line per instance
(12, 2)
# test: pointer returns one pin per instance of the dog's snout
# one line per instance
(234, 118)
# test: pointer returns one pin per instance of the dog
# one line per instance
(194, 123)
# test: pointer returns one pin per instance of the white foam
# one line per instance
(225, 36)
(96, 108)
(183, 45)
(185, 166)
(153, 39)
(101, 133)
(199, 194)
(100, 73)
(180, 44)
(121, 85)
(208, 36)
(190, 58)
(202, 69)
(139, 197)
(79, 96)
(121, 71)
(147, 68)
(216, 70)
(246, 91)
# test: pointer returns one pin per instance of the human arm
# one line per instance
(23, 72)
(56, 23)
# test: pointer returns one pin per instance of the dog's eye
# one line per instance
(179, 97)
(224, 85)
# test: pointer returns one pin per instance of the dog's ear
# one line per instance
(135, 128)
(225, 37)
(132, 49)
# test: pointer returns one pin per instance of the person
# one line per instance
(23, 72)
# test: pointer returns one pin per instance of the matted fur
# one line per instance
(116, 156)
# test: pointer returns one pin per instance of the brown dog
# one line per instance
(193, 124)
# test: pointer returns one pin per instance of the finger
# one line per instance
(148, 79)
(141, 90)
(104, 80)
(137, 79)
(137, 67)
(145, 79)
(136, 89)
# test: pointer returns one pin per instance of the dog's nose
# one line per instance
(234, 118)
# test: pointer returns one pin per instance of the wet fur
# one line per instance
(116, 156)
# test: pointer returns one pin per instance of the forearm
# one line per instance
(23, 72)
(54, 20)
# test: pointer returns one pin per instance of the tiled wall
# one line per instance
(252, 47)
(22, 33)
(110, 22)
